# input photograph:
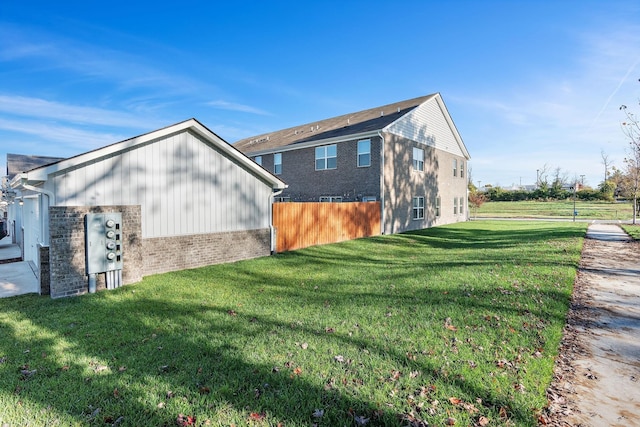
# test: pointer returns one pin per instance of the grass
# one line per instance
(457, 322)
(554, 209)
(632, 230)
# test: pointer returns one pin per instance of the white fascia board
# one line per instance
(236, 154)
(315, 143)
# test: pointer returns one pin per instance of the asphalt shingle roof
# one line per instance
(347, 124)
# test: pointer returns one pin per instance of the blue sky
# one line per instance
(530, 84)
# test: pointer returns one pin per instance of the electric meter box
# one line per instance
(103, 234)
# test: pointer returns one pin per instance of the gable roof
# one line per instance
(361, 122)
(42, 173)
(18, 163)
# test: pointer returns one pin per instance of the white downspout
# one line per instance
(272, 229)
(382, 188)
(51, 202)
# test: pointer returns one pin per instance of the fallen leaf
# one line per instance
(232, 313)
(329, 330)
(483, 421)
(339, 359)
(255, 416)
(318, 413)
(185, 420)
(450, 421)
(204, 390)
(455, 400)
(304, 345)
(297, 371)
(116, 393)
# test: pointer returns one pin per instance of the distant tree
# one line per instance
(606, 162)
(631, 129)
(476, 199)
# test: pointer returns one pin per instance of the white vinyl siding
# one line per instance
(427, 125)
(184, 185)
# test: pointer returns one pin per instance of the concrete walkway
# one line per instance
(16, 278)
(606, 322)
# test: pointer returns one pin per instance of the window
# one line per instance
(330, 198)
(326, 157)
(455, 206)
(282, 199)
(364, 153)
(438, 207)
(455, 167)
(277, 163)
(258, 160)
(461, 169)
(418, 208)
(461, 201)
(418, 159)
(369, 198)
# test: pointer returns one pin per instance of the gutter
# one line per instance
(382, 188)
(272, 229)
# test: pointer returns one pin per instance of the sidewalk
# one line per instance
(598, 371)
(16, 278)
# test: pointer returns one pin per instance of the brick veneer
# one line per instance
(163, 254)
(67, 247)
(141, 257)
(45, 270)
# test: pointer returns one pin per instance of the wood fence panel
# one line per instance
(299, 225)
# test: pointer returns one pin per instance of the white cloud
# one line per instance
(44, 109)
(225, 105)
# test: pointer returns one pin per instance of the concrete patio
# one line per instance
(17, 277)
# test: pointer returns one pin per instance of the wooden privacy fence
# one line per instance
(299, 225)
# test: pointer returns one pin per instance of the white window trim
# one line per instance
(416, 210)
(418, 163)
(276, 155)
(361, 154)
(326, 157)
(329, 199)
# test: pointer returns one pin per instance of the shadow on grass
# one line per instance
(139, 354)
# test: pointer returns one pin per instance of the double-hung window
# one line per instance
(258, 160)
(364, 153)
(455, 206)
(418, 159)
(418, 208)
(438, 207)
(461, 202)
(326, 157)
(277, 163)
(461, 169)
(455, 167)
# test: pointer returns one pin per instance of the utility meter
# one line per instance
(103, 234)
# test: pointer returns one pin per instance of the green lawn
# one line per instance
(554, 209)
(458, 322)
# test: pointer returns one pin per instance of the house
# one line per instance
(175, 198)
(17, 163)
(408, 156)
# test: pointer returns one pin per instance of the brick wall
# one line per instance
(67, 248)
(45, 270)
(348, 180)
(163, 254)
